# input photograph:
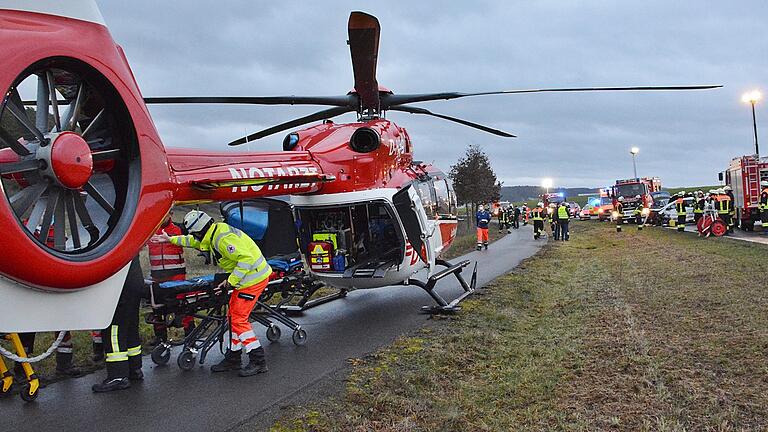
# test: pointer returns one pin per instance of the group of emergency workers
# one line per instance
(558, 217)
(119, 345)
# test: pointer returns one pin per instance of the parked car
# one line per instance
(574, 208)
(663, 215)
(587, 212)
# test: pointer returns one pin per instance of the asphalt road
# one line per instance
(170, 399)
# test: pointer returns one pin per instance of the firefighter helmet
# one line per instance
(196, 221)
(764, 183)
(540, 204)
(727, 188)
(621, 199)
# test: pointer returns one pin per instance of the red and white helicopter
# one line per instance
(86, 180)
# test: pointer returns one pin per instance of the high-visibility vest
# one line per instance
(723, 204)
(698, 206)
(680, 207)
(763, 203)
(638, 210)
(536, 214)
(233, 251)
(166, 261)
(562, 212)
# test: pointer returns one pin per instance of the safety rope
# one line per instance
(11, 356)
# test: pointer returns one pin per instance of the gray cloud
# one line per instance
(271, 48)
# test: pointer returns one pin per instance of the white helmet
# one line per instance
(480, 208)
(637, 196)
(621, 199)
(764, 183)
(196, 221)
(540, 204)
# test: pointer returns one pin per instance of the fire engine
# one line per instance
(744, 175)
(630, 189)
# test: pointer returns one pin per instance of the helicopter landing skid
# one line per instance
(443, 307)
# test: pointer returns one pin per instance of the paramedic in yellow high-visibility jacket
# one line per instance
(236, 253)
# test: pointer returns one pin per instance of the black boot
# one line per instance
(117, 378)
(64, 366)
(111, 384)
(231, 362)
(257, 363)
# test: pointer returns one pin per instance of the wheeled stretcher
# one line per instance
(200, 298)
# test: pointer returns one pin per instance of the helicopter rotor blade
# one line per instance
(345, 100)
(320, 115)
(363, 42)
(417, 110)
(391, 100)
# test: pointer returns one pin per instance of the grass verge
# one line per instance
(648, 330)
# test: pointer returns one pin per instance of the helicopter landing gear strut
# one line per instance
(450, 269)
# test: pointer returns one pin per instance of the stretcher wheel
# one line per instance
(3, 391)
(161, 354)
(26, 396)
(273, 333)
(186, 360)
(299, 337)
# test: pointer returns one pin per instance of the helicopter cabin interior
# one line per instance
(356, 240)
(364, 239)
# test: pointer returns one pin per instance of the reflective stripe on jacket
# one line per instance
(562, 213)
(233, 251)
(166, 260)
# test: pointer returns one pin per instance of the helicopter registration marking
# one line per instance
(271, 172)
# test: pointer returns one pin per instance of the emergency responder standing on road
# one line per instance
(763, 206)
(698, 206)
(483, 218)
(526, 214)
(515, 217)
(537, 215)
(552, 216)
(167, 264)
(638, 213)
(723, 206)
(249, 272)
(680, 209)
(731, 210)
(502, 215)
(618, 212)
(121, 339)
(563, 216)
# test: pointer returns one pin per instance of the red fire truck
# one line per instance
(744, 175)
(633, 188)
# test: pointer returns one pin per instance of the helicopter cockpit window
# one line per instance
(445, 209)
(427, 196)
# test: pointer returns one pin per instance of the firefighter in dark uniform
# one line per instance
(122, 345)
(680, 209)
(516, 217)
(537, 215)
(618, 209)
(638, 214)
(731, 210)
(698, 206)
(724, 206)
(763, 206)
(503, 217)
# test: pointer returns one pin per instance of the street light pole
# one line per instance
(752, 97)
(634, 151)
(754, 127)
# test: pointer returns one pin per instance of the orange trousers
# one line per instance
(241, 303)
(482, 235)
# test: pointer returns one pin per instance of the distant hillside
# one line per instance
(526, 193)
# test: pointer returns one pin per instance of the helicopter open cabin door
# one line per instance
(411, 211)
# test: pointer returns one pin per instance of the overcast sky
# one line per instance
(264, 48)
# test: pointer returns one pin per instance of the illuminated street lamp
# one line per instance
(752, 98)
(546, 184)
(634, 151)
